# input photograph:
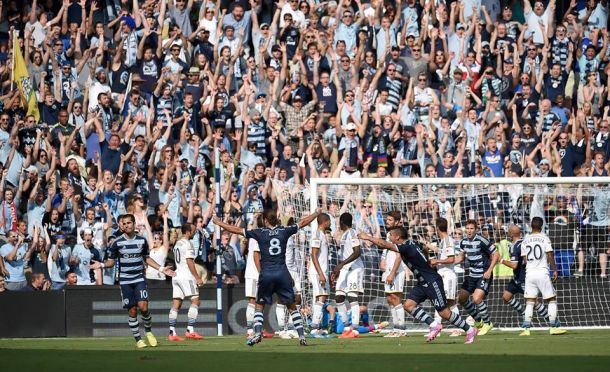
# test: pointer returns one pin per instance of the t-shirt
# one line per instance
(534, 248)
(15, 268)
(272, 244)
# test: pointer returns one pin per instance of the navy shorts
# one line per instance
(471, 284)
(278, 282)
(131, 294)
(434, 291)
(514, 287)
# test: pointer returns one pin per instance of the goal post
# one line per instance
(575, 212)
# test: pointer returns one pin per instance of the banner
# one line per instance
(21, 77)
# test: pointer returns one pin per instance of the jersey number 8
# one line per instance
(274, 247)
(536, 250)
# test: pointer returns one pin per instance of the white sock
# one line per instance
(250, 310)
(316, 318)
(400, 316)
(437, 317)
(454, 309)
(552, 311)
(394, 317)
(192, 318)
(355, 308)
(280, 313)
(173, 315)
(529, 312)
(342, 309)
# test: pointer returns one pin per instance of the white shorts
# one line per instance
(350, 281)
(251, 287)
(397, 286)
(296, 279)
(316, 288)
(184, 288)
(539, 283)
(450, 283)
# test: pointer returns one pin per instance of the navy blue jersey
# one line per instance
(413, 256)
(477, 252)
(515, 256)
(272, 244)
(131, 255)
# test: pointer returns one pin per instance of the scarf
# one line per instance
(130, 47)
(13, 217)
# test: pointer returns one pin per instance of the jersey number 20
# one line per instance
(535, 251)
(274, 247)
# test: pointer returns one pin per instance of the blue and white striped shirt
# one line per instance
(477, 252)
(131, 254)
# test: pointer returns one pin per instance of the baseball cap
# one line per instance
(297, 98)
(484, 44)
(544, 161)
(350, 126)
(460, 25)
(194, 70)
(31, 169)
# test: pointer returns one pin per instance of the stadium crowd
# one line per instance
(117, 106)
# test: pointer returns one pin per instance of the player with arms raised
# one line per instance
(318, 272)
(538, 252)
(481, 256)
(271, 263)
(348, 276)
(131, 251)
(185, 285)
(429, 283)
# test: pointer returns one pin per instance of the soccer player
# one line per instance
(294, 263)
(537, 251)
(271, 264)
(445, 267)
(481, 256)
(131, 251)
(318, 273)
(185, 285)
(394, 279)
(429, 285)
(251, 285)
(348, 276)
(516, 285)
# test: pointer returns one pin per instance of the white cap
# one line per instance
(350, 126)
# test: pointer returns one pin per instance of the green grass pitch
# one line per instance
(499, 351)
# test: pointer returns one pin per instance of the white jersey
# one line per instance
(446, 249)
(158, 255)
(349, 240)
(534, 248)
(318, 240)
(390, 258)
(183, 250)
(251, 271)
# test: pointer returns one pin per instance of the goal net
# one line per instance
(575, 214)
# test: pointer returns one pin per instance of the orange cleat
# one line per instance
(174, 338)
(267, 334)
(349, 334)
(193, 336)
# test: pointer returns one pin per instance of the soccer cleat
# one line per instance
(141, 344)
(193, 336)
(267, 334)
(455, 333)
(578, 274)
(479, 324)
(382, 325)
(486, 328)
(349, 334)
(471, 335)
(152, 340)
(302, 342)
(254, 340)
(292, 333)
(284, 335)
(249, 333)
(174, 338)
(525, 332)
(392, 334)
(434, 332)
(556, 331)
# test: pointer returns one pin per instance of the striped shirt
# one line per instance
(258, 133)
(131, 254)
(559, 51)
(477, 252)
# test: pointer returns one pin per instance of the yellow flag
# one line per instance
(22, 79)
